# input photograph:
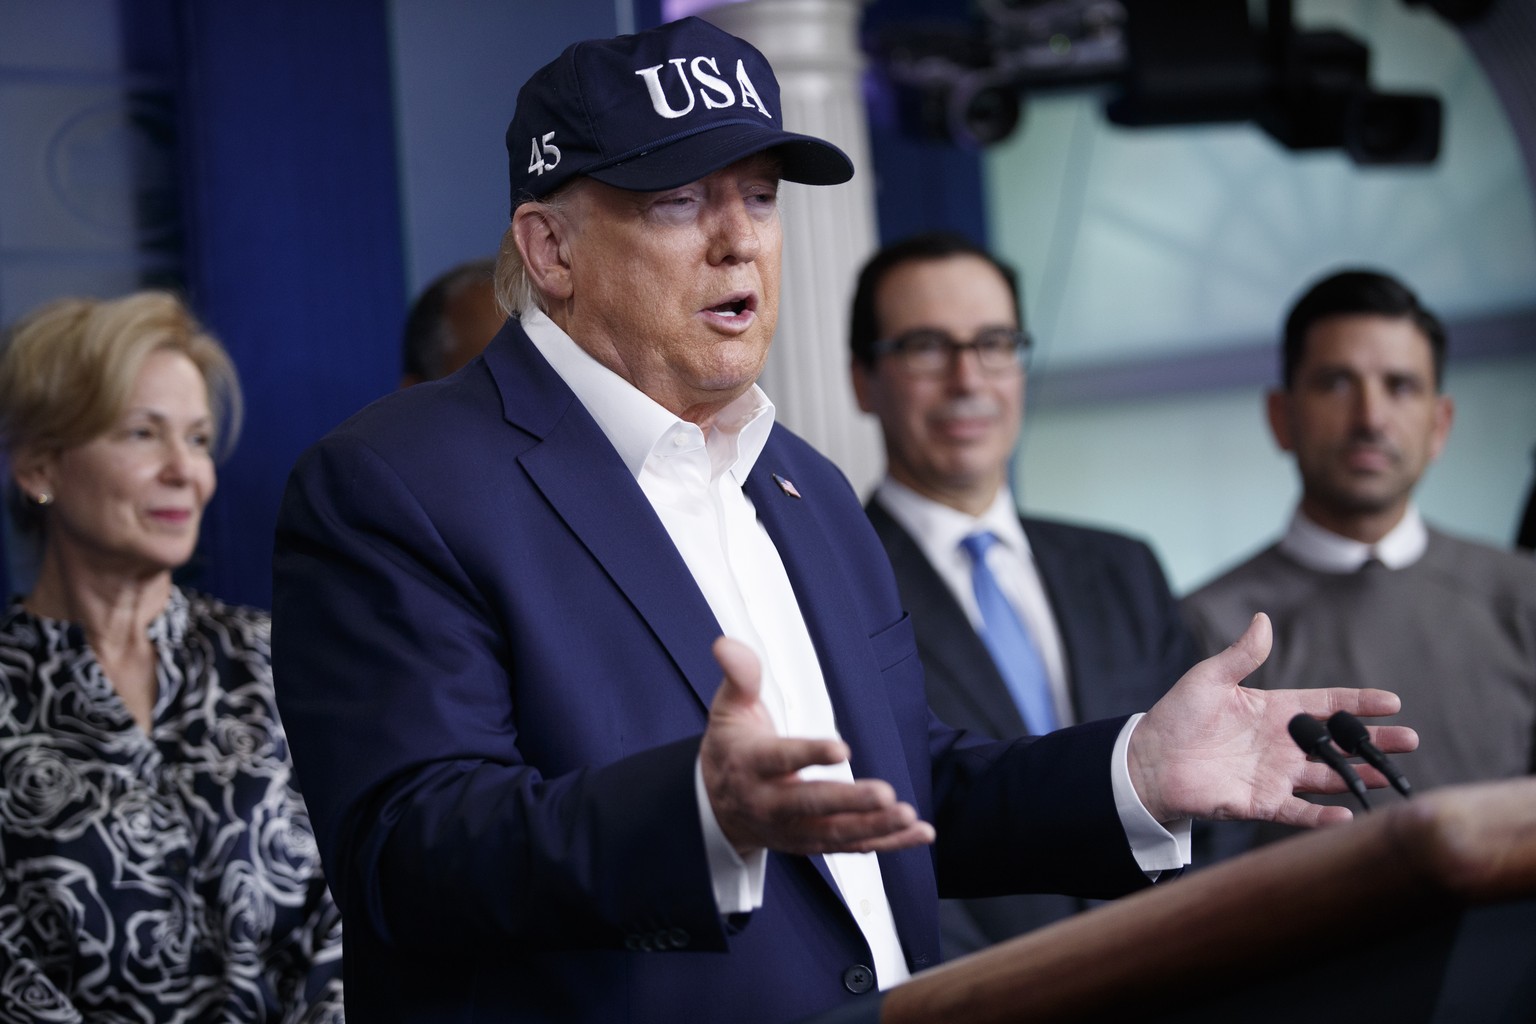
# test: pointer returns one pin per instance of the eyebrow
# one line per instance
(154, 414)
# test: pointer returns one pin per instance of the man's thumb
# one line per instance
(1248, 652)
(743, 673)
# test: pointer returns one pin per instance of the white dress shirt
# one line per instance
(694, 482)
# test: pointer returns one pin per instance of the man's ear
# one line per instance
(541, 238)
(1278, 406)
(1445, 412)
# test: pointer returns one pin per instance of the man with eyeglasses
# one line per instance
(940, 357)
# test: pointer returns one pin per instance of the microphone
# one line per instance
(1312, 736)
(1350, 734)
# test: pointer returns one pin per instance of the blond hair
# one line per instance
(69, 367)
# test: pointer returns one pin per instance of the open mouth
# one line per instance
(734, 307)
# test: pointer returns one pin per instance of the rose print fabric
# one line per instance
(163, 877)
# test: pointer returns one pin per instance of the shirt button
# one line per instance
(858, 979)
(864, 907)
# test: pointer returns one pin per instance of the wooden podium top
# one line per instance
(1277, 910)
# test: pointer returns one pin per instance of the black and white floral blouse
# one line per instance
(170, 876)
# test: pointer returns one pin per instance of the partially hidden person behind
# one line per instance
(1360, 586)
(156, 859)
(452, 320)
(603, 698)
(1024, 624)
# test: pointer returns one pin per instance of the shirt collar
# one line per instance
(636, 425)
(1326, 551)
(938, 527)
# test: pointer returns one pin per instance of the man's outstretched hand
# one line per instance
(1211, 748)
(759, 800)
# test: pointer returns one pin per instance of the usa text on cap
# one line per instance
(653, 111)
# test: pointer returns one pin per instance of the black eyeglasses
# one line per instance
(929, 352)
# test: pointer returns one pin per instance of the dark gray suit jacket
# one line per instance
(1125, 644)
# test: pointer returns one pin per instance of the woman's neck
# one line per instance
(114, 609)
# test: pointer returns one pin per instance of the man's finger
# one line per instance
(894, 828)
(919, 833)
(1299, 812)
(779, 758)
(914, 833)
(1317, 777)
(824, 799)
(1394, 739)
(743, 681)
(1237, 662)
(1324, 701)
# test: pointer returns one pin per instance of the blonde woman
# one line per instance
(156, 859)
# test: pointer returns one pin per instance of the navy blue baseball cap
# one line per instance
(655, 110)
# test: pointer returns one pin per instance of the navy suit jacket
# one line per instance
(494, 670)
(1125, 643)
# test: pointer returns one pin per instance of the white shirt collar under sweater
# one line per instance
(1326, 551)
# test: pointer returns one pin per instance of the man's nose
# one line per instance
(1371, 407)
(734, 234)
(964, 371)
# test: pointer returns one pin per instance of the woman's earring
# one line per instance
(43, 498)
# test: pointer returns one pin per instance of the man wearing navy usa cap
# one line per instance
(502, 602)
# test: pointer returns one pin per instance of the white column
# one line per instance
(829, 231)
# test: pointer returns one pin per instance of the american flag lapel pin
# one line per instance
(786, 486)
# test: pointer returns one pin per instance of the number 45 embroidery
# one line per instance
(546, 155)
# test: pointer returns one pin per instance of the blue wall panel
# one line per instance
(294, 257)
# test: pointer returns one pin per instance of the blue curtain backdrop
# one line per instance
(294, 254)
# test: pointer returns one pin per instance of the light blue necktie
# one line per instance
(1005, 636)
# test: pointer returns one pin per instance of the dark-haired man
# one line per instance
(939, 356)
(1359, 587)
(450, 323)
(499, 609)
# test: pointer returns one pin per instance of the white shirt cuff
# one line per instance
(1156, 849)
(738, 883)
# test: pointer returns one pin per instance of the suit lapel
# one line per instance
(950, 647)
(591, 490)
(815, 572)
(1067, 574)
(1073, 573)
(853, 679)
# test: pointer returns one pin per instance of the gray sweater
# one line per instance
(1453, 634)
